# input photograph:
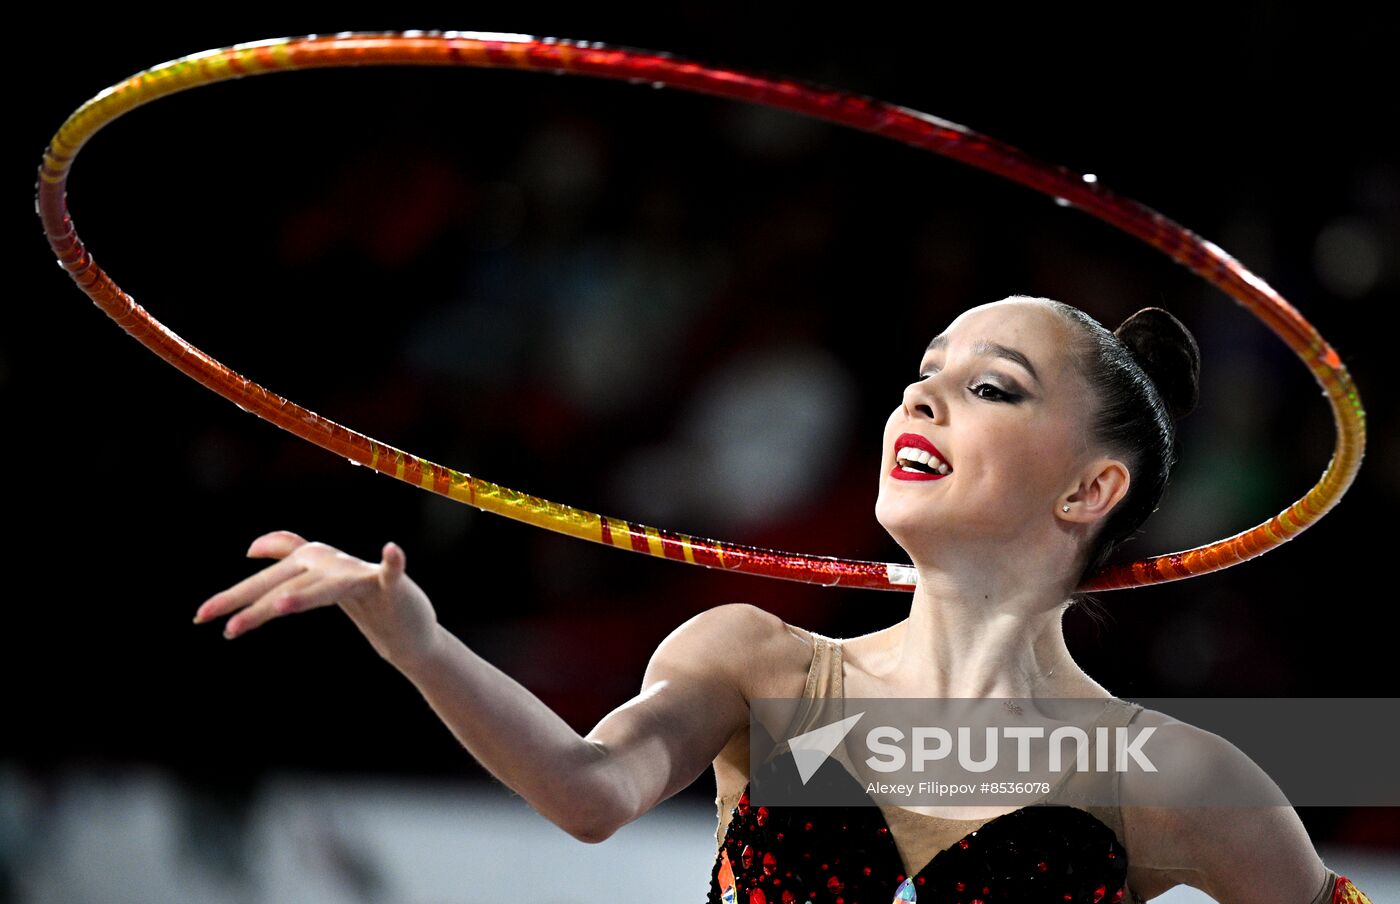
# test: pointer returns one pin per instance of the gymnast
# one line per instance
(1029, 445)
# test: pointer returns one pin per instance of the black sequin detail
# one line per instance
(1040, 854)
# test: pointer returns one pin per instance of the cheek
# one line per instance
(1025, 457)
(1020, 462)
(1046, 461)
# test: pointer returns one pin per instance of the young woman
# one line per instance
(1030, 444)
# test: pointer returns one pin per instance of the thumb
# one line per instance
(275, 545)
(392, 568)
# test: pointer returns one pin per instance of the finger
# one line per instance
(275, 545)
(248, 590)
(392, 568)
(295, 595)
(309, 591)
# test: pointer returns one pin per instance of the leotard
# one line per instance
(1059, 850)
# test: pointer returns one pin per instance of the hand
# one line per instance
(387, 606)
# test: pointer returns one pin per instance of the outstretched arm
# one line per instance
(638, 755)
(692, 698)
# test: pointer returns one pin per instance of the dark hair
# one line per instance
(1145, 376)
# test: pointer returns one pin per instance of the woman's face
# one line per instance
(997, 396)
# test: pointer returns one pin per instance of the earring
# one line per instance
(1066, 508)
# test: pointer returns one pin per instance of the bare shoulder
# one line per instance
(759, 650)
(1209, 817)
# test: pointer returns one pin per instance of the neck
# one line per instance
(985, 634)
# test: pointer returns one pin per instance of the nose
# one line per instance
(923, 398)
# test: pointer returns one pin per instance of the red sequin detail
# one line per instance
(823, 860)
(758, 897)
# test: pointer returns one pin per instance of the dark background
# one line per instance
(543, 281)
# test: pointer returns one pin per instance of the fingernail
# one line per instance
(228, 635)
(197, 619)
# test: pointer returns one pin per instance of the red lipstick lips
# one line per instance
(915, 441)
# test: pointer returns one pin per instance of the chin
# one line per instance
(902, 521)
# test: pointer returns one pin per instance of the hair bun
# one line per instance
(1168, 353)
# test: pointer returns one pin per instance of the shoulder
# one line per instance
(1209, 817)
(757, 648)
(1193, 766)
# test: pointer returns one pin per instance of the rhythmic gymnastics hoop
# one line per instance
(511, 51)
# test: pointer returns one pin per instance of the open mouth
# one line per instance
(917, 458)
(919, 461)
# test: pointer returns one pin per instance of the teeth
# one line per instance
(922, 456)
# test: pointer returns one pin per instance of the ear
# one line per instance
(1102, 485)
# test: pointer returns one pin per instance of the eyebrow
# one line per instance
(987, 347)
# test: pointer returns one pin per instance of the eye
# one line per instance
(997, 393)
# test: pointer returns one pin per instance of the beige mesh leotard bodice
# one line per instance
(901, 850)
